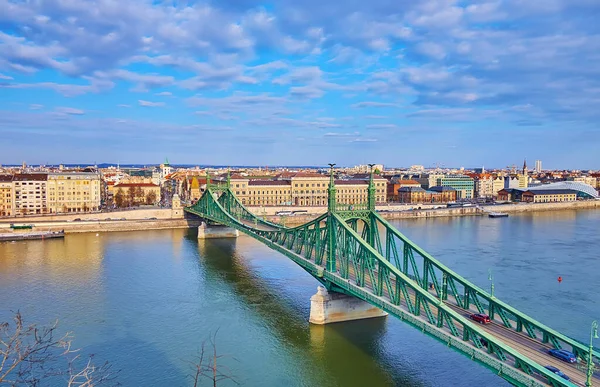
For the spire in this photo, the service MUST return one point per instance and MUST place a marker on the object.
(525, 166)
(331, 190)
(166, 161)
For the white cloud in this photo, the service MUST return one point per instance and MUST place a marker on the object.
(69, 111)
(367, 104)
(141, 102)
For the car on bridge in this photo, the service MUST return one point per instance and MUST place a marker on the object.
(563, 355)
(480, 318)
(557, 372)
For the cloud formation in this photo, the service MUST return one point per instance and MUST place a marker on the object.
(473, 66)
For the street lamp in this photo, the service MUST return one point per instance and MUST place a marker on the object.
(590, 360)
(491, 278)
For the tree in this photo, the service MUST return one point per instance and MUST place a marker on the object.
(120, 198)
(139, 195)
(29, 355)
(206, 365)
(131, 195)
(151, 197)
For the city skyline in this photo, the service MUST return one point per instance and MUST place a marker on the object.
(435, 82)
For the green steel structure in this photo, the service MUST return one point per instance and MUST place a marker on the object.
(353, 250)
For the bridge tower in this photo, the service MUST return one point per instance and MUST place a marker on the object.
(327, 306)
(331, 207)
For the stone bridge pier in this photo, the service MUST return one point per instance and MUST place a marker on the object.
(331, 307)
(206, 231)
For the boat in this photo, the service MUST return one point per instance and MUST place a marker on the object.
(498, 215)
(21, 226)
(23, 236)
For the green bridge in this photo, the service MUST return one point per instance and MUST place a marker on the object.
(352, 250)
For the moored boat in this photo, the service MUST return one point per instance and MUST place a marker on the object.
(22, 236)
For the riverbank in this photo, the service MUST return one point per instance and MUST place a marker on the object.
(70, 227)
(157, 219)
(430, 212)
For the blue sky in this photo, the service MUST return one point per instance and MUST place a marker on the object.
(459, 83)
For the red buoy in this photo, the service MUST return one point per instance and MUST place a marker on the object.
(559, 279)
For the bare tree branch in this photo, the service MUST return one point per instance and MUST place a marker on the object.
(208, 367)
(29, 355)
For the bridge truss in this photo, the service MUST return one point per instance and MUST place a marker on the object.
(353, 250)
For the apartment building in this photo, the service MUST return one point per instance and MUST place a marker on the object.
(30, 193)
(6, 195)
(73, 192)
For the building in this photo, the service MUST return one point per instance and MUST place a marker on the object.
(510, 194)
(6, 195)
(303, 189)
(73, 192)
(30, 193)
(516, 181)
(549, 196)
(414, 195)
(497, 185)
(582, 190)
(538, 166)
(464, 185)
(484, 185)
(394, 185)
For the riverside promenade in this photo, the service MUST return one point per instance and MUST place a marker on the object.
(166, 218)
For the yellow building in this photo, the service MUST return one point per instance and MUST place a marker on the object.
(303, 189)
(73, 192)
(497, 185)
(549, 196)
(6, 195)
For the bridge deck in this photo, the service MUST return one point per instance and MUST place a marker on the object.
(534, 349)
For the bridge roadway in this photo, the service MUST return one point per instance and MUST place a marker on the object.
(520, 341)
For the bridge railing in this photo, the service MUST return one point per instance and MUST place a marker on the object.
(429, 272)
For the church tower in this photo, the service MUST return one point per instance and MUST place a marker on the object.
(525, 167)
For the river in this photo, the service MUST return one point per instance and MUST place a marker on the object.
(146, 300)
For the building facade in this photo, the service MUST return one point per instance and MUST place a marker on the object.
(464, 185)
(30, 193)
(6, 195)
(303, 189)
(73, 192)
(414, 195)
(394, 185)
(549, 196)
(483, 184)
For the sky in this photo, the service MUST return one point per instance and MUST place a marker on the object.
(428, 82)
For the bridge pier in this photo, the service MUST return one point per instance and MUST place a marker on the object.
(327, 308)
(208, 232)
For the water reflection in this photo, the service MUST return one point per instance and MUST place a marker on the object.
(345, 354)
